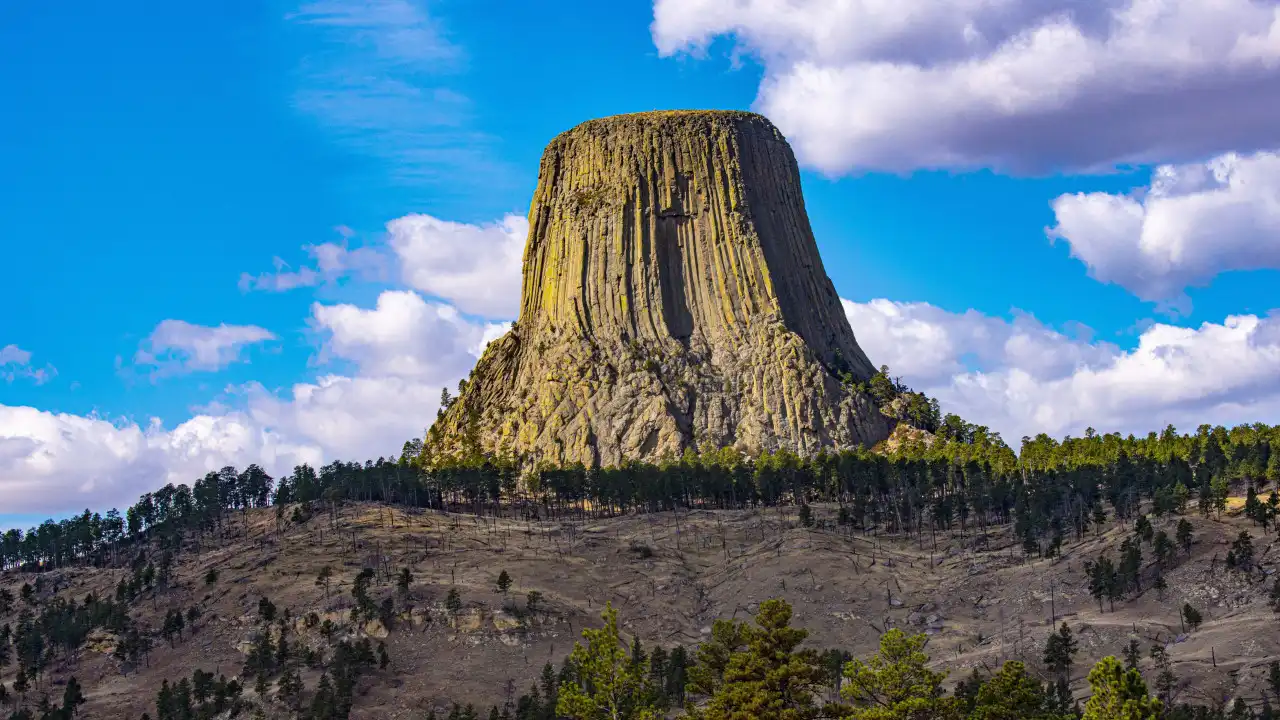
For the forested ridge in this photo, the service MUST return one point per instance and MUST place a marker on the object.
(1050, 489)
(954, 479)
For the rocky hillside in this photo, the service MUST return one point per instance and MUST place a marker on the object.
(673, 297)
(977, 596)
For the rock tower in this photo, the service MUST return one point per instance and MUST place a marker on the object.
(672, 297)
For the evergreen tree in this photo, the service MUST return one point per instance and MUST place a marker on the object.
(1185, 537)
(608, 685)
(290, 687)
(895, 684)
(1242, 551)
(1165, 681)
(1119, 694)
(1103, 581)
(1132, 654)
(1060, 651)
(1163, 548)
(323, 578)
(1011, 694)
(1191, 617)
(72, 698)
(770, 678)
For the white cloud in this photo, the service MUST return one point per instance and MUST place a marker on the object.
(404, 336)
(404, 351)
(177, 346)
(1023, 378)
(352, 418)
(15, 363)
(1023, 85)
(333, 261)
(54, 462)
(1193, 223)
(476, 267)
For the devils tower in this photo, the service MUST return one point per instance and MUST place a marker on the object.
(672, 297)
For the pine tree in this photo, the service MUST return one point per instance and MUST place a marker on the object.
(608, 685)
(1119, 694)
(895, 683)
(1185, 537)
(1132, 654)
(504, 582)
(1191, 617)
(323, 578)
(290, 687)
(1130, 566)
(1242, 549)
(72, 698)
(1163, 548)
(1060, 651)
(20, 682)
(768, 676)
(1103, 582)
(266, 610)
(1011, 694)
(1165, 681)
(323, 703)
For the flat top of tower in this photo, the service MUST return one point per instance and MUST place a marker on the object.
(674, 119)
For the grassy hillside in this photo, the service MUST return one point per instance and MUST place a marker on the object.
(669, 574)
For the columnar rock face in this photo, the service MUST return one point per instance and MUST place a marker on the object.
(673, 297)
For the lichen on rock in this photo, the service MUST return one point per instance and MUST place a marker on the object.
(672, 297)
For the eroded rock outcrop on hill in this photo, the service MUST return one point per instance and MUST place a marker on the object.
(672, 297)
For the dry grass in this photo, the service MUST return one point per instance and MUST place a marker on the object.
(670, 575)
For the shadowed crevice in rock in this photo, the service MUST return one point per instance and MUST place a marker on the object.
(672, 296)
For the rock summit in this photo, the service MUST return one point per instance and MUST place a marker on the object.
(673, 297)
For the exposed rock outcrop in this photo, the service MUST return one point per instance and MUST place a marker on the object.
(673, 297)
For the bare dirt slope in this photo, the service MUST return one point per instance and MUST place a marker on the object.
(670, 575)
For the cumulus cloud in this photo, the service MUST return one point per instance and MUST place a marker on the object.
(1023, 378)
(475, 267)
(176, 346)
(403, 352)
(352, 418)
(15, 363)
(404, 336)
(56, 462)
(1192, 223)
(1021, 85)
(333, 261)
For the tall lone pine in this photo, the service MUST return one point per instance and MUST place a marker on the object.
(672, 297)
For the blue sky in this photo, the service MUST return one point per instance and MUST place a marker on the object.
(167, 165)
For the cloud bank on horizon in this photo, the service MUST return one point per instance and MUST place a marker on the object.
(1190, 87)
